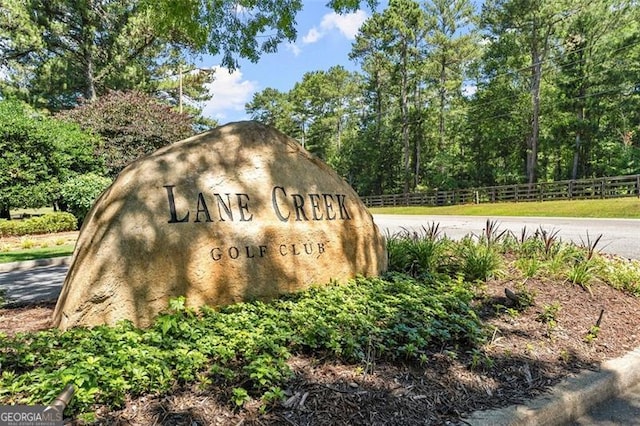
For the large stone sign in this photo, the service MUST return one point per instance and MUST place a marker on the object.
(239, 213)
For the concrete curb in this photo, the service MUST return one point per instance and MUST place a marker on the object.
(570, 399)
(30, 264)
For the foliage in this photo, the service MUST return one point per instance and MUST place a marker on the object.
(417, 253)
(56, 52)
(59, 51)
(37, 153)
(230, 29)
(243, 346)
(131, 125)
(477, 261)
(80, 192)
(448, 98)
(48, 223)
(623, 275)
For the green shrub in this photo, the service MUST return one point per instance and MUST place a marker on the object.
(417, 253)
(46, 224)
(623, 275)
(477, 261)
(80, 192)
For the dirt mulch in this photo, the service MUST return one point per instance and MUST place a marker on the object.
(523, 358)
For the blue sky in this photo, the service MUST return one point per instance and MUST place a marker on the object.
(324, 40)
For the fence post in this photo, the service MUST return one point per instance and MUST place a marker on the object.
(638, 185)
(570, 189)
(603, 188)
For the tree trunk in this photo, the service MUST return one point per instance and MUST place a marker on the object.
(404, 111)
(443, 100)
(87, 53)
(378, 132)
(5, 213)
(578, 146)
(532, 143)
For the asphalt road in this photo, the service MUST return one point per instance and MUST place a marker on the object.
(39, 284)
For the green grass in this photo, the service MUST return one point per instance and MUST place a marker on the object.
(36, 253)
(611, 208)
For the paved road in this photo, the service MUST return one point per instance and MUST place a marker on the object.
(619, 236)
(33, 285)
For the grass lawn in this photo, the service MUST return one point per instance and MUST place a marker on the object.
(36, 253)
(611, 208)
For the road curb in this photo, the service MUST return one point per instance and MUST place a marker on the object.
(30, 264)
(570, 399)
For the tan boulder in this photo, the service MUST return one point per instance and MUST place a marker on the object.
(238, 213)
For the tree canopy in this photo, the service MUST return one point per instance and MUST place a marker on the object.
(37, 154)
(450, 97)
(55, 52)
(131, 125)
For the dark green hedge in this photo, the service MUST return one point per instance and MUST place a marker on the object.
(48, 223)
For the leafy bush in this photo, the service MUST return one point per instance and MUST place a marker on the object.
(80, 192)
(132, 124)
(623, 275)
(243, 347)
(38, 152)
(48, 223)
(477, 261)
(417, 253)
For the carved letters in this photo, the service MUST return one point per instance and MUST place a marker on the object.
(288, 207)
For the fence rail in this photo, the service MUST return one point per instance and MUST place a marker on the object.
(598, 188)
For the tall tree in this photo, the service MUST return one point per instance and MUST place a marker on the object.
(76, 49)
(328, 100)
(595, 67)
(274, 108)
(399, 35)
(368, 50)
(530, 25)
(54, 51)
(453, 44)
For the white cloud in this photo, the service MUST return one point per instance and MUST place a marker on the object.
(348, 25)
(230, 94)
(293, 48)
(312, 36)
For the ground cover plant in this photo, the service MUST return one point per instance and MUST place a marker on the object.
(455, 326)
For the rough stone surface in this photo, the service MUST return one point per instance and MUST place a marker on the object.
(238, 213)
